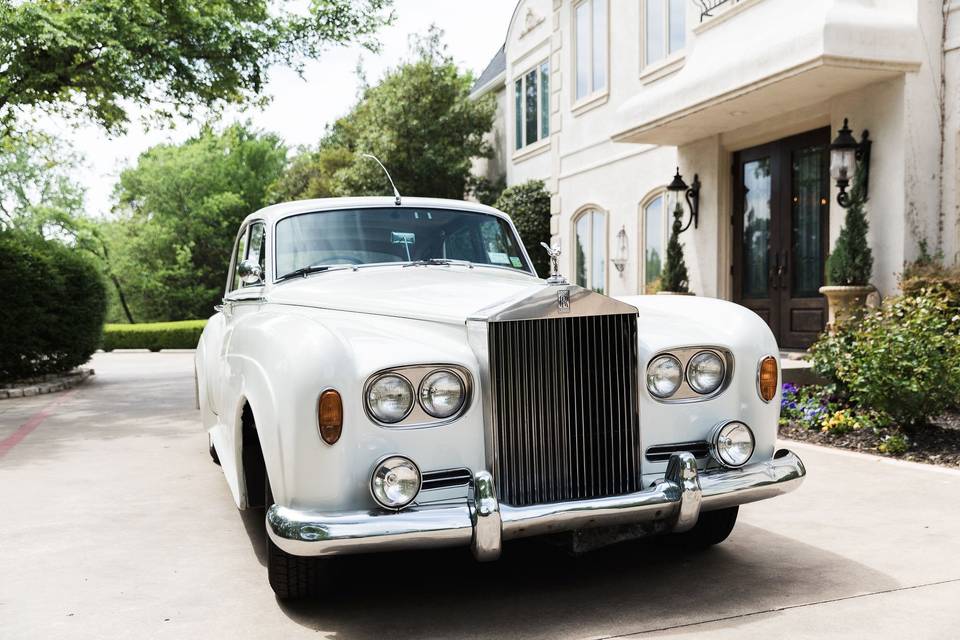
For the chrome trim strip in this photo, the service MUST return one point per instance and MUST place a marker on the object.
(676, 501)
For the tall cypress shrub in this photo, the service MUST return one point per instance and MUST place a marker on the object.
(851, 262)
(675, 276)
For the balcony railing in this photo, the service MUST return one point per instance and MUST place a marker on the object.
(706, 6)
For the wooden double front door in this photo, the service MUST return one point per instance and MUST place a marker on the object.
(780, 218)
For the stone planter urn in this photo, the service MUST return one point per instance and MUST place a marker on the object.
(844, 301)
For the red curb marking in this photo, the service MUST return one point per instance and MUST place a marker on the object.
(24, 430)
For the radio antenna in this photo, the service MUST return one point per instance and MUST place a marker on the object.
(396, 194)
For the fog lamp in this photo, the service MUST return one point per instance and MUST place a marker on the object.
(395, 482)
(732, 443)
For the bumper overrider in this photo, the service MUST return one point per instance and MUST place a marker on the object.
(481, 522)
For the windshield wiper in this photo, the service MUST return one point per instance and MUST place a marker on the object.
(303, 272)
(438, 262)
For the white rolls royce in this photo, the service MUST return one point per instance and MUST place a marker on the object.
(389, 374)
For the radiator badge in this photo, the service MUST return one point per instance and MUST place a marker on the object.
(563, 300)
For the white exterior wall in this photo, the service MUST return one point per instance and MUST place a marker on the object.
(761, 71)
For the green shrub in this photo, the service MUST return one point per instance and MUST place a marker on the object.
(528, 204)
(851, 262)
(183, 334)
(927, 272)
(903, 360)
(53, 308)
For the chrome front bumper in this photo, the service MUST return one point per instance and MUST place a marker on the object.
(676, 501)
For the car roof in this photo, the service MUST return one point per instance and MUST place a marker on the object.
(276, 212)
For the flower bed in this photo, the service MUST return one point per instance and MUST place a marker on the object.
(817, 415)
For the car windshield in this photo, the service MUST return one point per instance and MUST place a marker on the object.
(395, 234)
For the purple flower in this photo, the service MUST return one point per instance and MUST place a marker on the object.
(789, 388)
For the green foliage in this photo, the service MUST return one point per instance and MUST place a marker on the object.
(94, 58)
(928, 272)
(419, 121)
(894, 444)
(485, 190)
(37, 191)
(528, 204)
(851, 262)
(675, 276)
(903, 360)
(154, 336)
(180, 208)
(53, 309)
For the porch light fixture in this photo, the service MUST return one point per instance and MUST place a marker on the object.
(691, 193)
(620, 259)
(845, 153)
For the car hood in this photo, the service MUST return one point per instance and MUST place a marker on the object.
(437, 293)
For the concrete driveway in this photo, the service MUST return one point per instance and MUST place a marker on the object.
(114, 523)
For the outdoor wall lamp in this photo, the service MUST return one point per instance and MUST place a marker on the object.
(845, 153)
(692, 194)
(620, 258)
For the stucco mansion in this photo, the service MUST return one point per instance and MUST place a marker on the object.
(605, 99)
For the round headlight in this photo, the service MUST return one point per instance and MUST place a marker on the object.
(733, 444)
(395, 482)
(390, 398)
(705, 372)
(664, 376)
(442, 394)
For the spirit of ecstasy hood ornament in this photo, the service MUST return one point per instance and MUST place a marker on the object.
(554, 253)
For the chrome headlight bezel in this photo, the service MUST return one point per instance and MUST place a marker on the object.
(418, 417)
(381, 469)
(716, 446)
(684, 354)
(664, 358)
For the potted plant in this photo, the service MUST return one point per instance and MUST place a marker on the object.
(850, 264)
(675, 280)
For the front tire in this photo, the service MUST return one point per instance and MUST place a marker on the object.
(291, 577)
(712, 528)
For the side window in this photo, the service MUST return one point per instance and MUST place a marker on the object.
(239, 254)
(258, 246)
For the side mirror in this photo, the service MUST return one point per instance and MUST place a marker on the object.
(250, 273)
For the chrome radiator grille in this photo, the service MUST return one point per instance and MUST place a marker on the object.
(565, 408)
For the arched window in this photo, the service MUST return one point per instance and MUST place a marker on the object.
(654, 242)
(590, 249)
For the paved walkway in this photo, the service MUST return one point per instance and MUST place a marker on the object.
(115, 524)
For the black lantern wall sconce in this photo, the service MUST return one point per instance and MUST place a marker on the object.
(692, 195)
(845, 154)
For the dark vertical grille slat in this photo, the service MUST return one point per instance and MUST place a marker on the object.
(565, 408)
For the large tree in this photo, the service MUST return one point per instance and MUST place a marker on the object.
(95, 58)
(179, 210)
(419, 121)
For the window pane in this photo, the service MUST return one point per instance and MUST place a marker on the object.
(257, 249)
(544, 100)
(238, 258)
(580, 251)
(599, 44)
(518, 109)
(653, 245)
(530, 106)
(597, 272)
(756, 227)
(678, 24)
(583, 49)
(654, 23)
(807, 201)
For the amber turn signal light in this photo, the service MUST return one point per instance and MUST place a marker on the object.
(330, 416)
(767, 378)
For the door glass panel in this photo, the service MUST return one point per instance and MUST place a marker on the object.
(653, 233)
(580, 253)
(238, 256)
(807, 200)
(258, 247)
(756, 227)
(598, 270)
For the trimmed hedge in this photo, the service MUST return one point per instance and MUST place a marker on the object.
(183, 334)
(53, 307)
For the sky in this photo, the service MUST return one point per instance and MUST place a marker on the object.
(300, 108)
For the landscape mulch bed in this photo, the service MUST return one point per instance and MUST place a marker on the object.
(932, 444)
